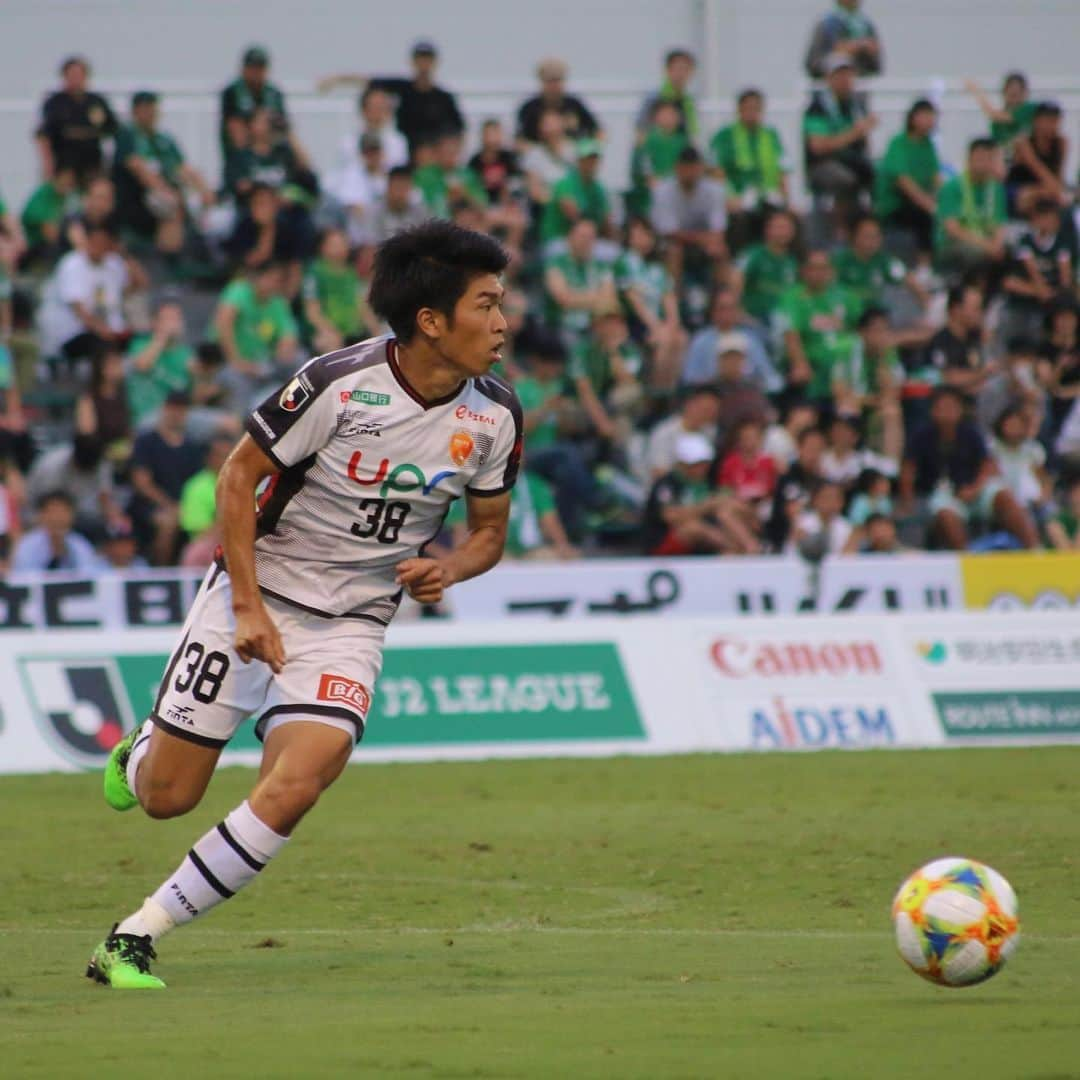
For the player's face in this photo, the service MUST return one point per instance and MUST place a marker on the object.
(474, 340)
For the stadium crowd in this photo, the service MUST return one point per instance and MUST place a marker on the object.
(708, 362)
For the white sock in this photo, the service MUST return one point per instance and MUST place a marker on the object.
(138, 752)
(226, 859)
(150, 919)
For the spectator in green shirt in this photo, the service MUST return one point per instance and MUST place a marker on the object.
(198, 505)
(444, 181)
(158, 362)
(679, 67)
(150, 176)
(908, 178)
(654, 157)
(334, 304)
(971, 215)
(1013, 117)
(257, 332)
(836, 132)
(648, 295)
(866, 270)
(579, 194)
(764, 272)
(815, 320)
(577, 284)
(43, 217)
(750, 158)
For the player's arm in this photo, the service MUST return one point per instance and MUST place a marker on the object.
(245, 469)
(427, 579)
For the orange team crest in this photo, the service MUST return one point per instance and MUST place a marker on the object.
(461, 447)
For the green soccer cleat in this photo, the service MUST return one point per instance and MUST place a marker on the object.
(122, 961)
(117, 792)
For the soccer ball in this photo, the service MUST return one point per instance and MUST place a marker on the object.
(956, 922)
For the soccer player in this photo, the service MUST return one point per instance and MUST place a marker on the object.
(359, 458)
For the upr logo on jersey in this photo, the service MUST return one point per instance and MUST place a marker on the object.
(407, 477)
(294, 395)
(345, 691)
(81, 705)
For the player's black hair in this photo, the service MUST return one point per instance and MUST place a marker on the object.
(429, 266)
(869, 315)
(981, 143)
(921, 105)
(749, 92)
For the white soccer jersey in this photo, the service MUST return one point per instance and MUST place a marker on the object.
(368, 472)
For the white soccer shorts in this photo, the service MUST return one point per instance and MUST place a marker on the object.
(207, 691)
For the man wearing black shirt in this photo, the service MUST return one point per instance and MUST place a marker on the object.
(795, 487)
(425, 112)
(578, 122)
(957, 350)
(1043, 266)
(74, 121)
(947, 468)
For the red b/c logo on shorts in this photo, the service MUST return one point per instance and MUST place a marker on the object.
(345, 691)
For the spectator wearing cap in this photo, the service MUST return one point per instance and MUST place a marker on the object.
(836, 129)
(749, 157)
(579, 194)
(970, 234)
(740, 398)
(684, 515)
(847, 32)
(949, 478)
(43, 216)
(815, 320)
(1037, 171)
(159, 362)
(163, 460)
(1043, 266)
(578, 121)
(688, 212)
(52, 544)
(376, 121)
(257, 332)
(83, 304)
(907, 180)
(425, 111)
(151, 174)
(401, 207)
(679, 68)
(358, 187)
(251, 91)
(119, 547)
(726, 317)
(74, 123)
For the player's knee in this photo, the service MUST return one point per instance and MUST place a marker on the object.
(292, 795)
(167, 801)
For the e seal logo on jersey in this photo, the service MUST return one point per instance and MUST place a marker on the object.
(294, 395)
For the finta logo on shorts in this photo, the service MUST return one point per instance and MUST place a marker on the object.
(344, 691)
(740, 659)
(365, 397)
(407, 477)
(463, 412)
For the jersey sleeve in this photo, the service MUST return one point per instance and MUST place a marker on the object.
(294, 422)
(499, 473)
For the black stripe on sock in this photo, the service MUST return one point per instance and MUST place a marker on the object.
(235, 845)
(205, 871)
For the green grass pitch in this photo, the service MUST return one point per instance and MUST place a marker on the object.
(698, 917)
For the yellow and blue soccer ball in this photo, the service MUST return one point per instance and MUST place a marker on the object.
(956, 922)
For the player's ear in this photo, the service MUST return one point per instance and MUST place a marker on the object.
(430, 323)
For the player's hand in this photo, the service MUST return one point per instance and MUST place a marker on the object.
(257, 638)
(425, 580)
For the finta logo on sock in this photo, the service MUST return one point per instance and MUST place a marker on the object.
(181, 898)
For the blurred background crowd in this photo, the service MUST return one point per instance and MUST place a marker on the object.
(884, 356)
